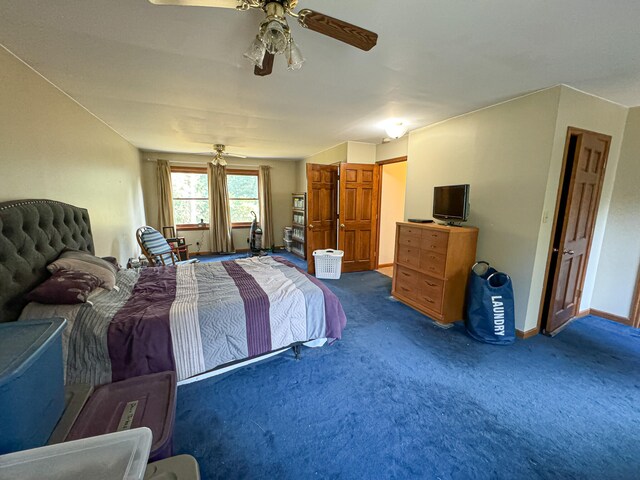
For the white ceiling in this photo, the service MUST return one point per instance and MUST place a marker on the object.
(174, 79)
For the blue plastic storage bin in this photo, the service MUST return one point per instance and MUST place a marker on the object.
(31, 382)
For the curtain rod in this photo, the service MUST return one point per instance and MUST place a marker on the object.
(186, 162)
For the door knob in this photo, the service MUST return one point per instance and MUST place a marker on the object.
(310, 226)
(342, 225)
(568, 252)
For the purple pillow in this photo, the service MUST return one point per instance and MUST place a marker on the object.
(65, 287)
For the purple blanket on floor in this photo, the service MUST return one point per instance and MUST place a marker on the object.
(194, 318)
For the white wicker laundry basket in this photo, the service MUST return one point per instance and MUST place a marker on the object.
(328, 263)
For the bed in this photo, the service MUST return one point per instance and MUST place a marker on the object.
(191, 318)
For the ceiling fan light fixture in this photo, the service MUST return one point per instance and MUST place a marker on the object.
(295, 59)
(396, 129)
(275, 36)
(256, 52)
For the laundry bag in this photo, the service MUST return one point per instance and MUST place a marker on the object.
(490, 316)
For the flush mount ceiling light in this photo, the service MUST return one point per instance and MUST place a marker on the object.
(396, 129)
(274, 36)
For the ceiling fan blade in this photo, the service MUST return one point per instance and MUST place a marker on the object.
(198, 3)
(234, 155)
(267, 65)
(338, 29)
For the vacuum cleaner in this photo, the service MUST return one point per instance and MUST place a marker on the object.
(255, 238)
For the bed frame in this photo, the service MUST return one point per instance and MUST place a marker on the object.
(33, 233)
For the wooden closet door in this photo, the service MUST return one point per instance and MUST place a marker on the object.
(322, 208)
(577, 229)
(358, 216)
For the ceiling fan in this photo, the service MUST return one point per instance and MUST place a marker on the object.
(219, 154)
(274, 36)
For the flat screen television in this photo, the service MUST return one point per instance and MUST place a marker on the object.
(451, 203)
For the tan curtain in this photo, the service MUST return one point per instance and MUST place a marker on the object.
(220, 221)
(266, 216)
(165, 196)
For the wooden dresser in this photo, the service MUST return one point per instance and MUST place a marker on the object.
(431, 268)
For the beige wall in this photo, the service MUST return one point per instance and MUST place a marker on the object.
(394, 149)
(511, 154)
(360, 152)
(283, 182)
(577, 109)
(51, 147)
(337, 154)
(503, 152)
(394, 182)
(620, 255)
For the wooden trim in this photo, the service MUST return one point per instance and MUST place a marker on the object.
(382, 163)
(392, 160)
(570, 132)
(201, 170)
(611, 316)
(528, 334)
(607, 315)
(378, 219)
(634, 315)
(235, 171)
(191, 227)
(385, 265)
(241, 225)
(583, 313)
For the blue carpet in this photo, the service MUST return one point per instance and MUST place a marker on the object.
(234, 256)
(398, 397)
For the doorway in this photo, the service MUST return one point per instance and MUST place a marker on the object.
(342, 212)
(579, 192)
(393, 185)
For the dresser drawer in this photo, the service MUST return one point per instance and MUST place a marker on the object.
(433, 263)
(434, 241)
(409, 231)
(420, 288)
(407, 281)
(431, 286)
(408, 237)
(430, 301)
(409, 255)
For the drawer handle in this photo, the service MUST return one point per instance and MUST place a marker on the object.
(404, 288)
(429, 300)
(435, 235)
(431, 284)
(405, 274)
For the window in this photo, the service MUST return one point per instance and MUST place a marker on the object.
(190, 187)
(243, 196)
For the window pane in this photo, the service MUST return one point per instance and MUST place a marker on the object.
(189, 185)
(190, 211)
(241, 210)
(242, 186)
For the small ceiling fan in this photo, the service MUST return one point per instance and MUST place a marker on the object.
(219, 154)
(274, 36)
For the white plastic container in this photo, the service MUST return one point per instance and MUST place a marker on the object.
(287, 244)
(115, 456)
(288, 233)
(328, 263)
(181, 467)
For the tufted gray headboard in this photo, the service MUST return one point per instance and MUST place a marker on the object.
(32, 234)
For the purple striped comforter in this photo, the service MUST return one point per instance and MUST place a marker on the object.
(193, 318)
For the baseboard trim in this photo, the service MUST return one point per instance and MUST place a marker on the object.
(384, 265)
(528, 334)
(610, 316)
(239, 250)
